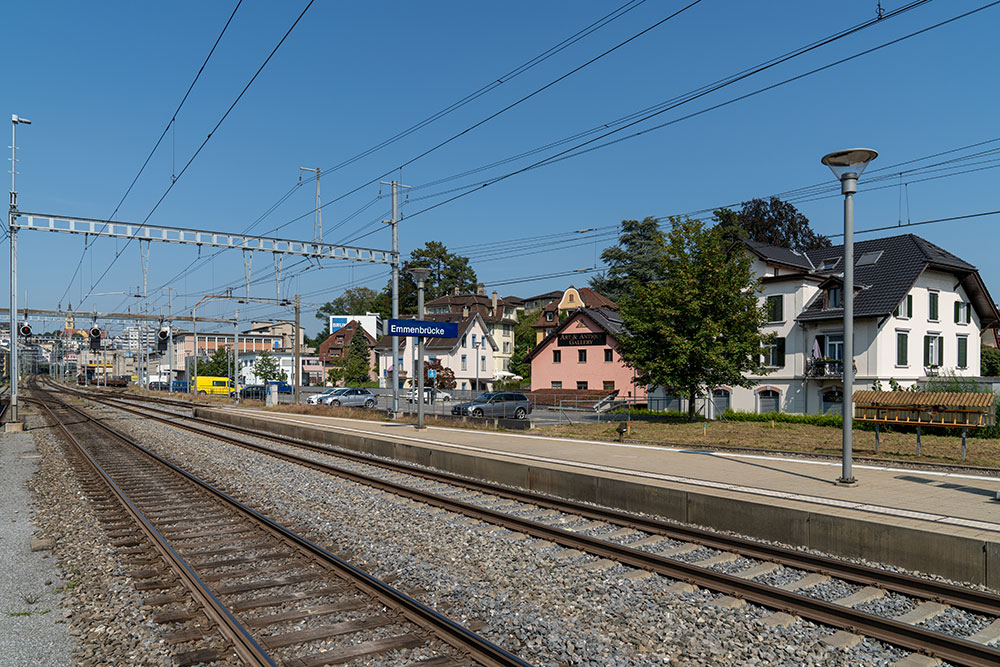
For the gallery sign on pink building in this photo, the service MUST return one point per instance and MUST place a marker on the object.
(582, 354)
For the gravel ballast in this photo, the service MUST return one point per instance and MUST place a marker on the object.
(537, 602)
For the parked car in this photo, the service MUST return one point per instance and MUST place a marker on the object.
(181, 386)
(283, 387)
(430, 395)
(253, 392)
(214, 384)
(314, 399)
(496, 404)
(158, 386)
(351, 397)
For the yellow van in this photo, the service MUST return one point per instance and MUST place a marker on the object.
(213, 384)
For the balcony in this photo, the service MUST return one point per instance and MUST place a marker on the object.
(824, 368)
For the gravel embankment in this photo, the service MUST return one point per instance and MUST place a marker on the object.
(535, 599)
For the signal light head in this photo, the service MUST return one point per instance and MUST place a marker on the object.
(95, 333)
(24, 330)
(162, 334)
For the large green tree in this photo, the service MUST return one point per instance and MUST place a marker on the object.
(698, 324)
(772, 221)
(990, 360)
(217, 365)
(635, 258)
(448, 271)
(524, 341)
(357, 368)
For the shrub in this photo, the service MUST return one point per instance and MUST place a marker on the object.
(813, 420)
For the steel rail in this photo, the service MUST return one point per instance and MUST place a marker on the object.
(945, 647)
(244, 645)
(479, 648)
(956, 596)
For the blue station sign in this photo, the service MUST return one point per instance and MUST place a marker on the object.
(422, 328)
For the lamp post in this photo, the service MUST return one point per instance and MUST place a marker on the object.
(420, 275)
(847, 166)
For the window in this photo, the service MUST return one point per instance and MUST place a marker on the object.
(775, 308)
(609, 385)
(557, 356)
(963, 351)
(932, 307)
(556, 384)
(963, 312)
(609, 355)
(581, 384)
(473, 340)
(482, 364)
(572, 298)
(902, 345)
(834, 297)
(581, 356)
(506, 347)
(465, 342)
(835, 346)
(767, 401)
(774, 353)
(869, 258)
(465, 362)
(549, 316)
(829, 264)
(905, 308)
(833, 401)
(933, 350)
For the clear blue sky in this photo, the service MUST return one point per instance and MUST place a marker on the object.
(100, 81)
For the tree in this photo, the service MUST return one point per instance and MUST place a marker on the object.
(267, 369)
(335, 375)
(448, 272)
(698, 325)
(357, 368)
(524, 340)
(990, 360)
(635, 258)
(217, 365)
(445, 376)
(354, 301)
(770, 221)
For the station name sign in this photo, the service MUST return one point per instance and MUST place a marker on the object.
(422, 328)
(579, 339)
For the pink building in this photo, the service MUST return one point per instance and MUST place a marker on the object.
(582, 354)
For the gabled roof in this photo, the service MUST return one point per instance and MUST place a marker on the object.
(884, 278)
(605, 318)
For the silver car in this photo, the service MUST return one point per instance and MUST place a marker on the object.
(509, 404)
(352, 398)
(321, 396)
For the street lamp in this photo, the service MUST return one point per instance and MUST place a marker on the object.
(847, 166)
(420, 275)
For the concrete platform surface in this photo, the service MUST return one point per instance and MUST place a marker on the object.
(795, 500)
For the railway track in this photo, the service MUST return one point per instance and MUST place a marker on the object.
(270, 596)
(933, 597)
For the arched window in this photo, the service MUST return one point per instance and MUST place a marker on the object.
(833, 401)
(768, 401)
(720, 401)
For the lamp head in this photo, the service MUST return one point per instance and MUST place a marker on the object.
(849, 163)
(14, 118)
(419, 273)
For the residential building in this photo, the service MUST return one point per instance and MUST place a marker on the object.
(338, 343)
(311, 373)
(919, 311)
(581, 354)
(539, 301)
(470, 355)
(283, 330)
(139, 337)
(499, 314)
(210, 341)
(569, 300)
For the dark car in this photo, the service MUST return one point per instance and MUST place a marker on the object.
(507, 404)
(158, 386)
(283, 387)
(181, 386)
(253, 391)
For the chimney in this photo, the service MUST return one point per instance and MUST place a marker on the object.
(481, 289)
(494, 302)
(465, 312)
(456, 291)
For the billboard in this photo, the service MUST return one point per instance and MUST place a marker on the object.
(370, 322)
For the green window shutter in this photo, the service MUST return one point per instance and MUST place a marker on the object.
(901, 344)
(933, 306)
(895, 313)
(963, 352)
(940, 351)
(927, 350)
(909, 305)
(968, 313)
(958, 312)
(779, 352)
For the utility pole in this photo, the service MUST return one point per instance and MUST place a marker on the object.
(297, 371)
(12, 413)
(236, 353)
(318, 219)
(170, 340)
(395, 290)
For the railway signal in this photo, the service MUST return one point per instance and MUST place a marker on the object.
(24, 330)
(95, 339)
(161, 340)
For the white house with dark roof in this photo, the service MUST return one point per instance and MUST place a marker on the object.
(919, 311)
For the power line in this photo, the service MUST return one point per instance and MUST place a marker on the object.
(170, 123)
(203, 144)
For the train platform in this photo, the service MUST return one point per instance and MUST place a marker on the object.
(945, 523)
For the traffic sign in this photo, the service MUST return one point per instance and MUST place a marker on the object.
(432, 373)
(422, 328)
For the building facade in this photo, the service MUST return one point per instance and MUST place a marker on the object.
(498, 313)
